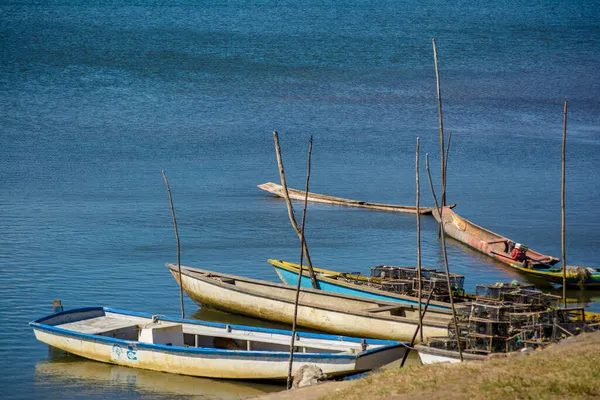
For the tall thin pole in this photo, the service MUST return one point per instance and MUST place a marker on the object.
(419, 327)
(420, 283)
(289, 378)
(439, 96)
(290, 209)
(440, 209)
(446, 162)
(178, 247)
(562, 196)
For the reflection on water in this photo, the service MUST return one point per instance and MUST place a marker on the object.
(83, 375)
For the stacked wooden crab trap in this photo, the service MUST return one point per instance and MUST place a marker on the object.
(508, 317)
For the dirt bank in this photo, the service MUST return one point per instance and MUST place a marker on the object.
(569, 369)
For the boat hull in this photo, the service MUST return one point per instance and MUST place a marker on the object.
(327, 312)
(299, 195)
(494, 245)
(211, 362)
(428, 355)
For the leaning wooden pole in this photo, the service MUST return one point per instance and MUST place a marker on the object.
(178, 247)
(562, 206)
(290, 209)
(419, 327)
(450, 291)
(439, 97)
(420, 282)
(446, 162)
(298, 284)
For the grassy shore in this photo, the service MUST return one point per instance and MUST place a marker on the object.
(566, 370)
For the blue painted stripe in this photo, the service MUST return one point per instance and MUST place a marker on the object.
(291, 278)
(78, 310)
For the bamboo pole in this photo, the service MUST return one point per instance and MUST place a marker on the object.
(178, 247)
(289, 378)
(419, 327)
(446, 162)
(562, 207)
(440, 209)
(290, 209)
(439, 96)
(420, 283)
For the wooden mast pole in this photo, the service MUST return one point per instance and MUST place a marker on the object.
(439, 96)
(562, 206)
(290, 209)
(420, 283)
(289, 378)
(178, 247)
(419, 329)
(450, 291)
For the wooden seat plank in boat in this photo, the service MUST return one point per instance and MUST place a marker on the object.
(99, 325)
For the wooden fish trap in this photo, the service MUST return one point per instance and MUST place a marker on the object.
(496, 290)
(393, 272)
(495, 311)
(532, 297)
(519, 320)
(492, 344)
(399, 286)
(488, 327)
(456, 281)
(446, 343)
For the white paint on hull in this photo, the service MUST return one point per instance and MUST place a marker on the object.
(311, 314)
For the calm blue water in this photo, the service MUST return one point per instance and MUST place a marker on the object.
(97, 97)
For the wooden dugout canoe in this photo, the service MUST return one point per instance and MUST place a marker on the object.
(324, 311)
(295, 194)
(347, 283)
(487, 242)
(206, 349)
(496, 246)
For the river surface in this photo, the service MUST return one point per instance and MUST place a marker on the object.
(97, 97)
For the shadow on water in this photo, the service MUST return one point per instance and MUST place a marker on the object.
(64, 370)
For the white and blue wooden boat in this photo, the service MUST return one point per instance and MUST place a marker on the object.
(206, 349)
(349, 283)
(317, 309)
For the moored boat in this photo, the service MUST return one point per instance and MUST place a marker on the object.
(375, 287)
(487, 242)
(299, 195)
(317, 309)
(431, 355)
(527, 261)
(206, 349)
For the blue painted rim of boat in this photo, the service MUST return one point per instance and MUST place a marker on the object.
(38, 324)
(351, 290)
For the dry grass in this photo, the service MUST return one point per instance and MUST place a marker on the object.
(570, 369)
